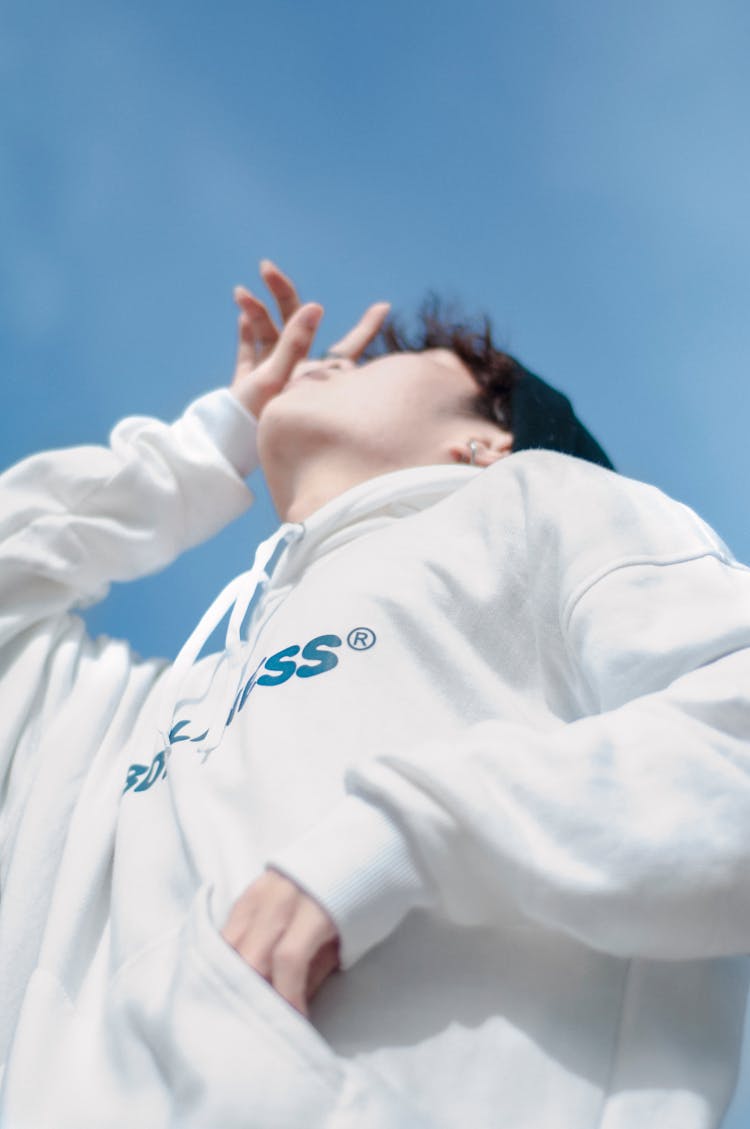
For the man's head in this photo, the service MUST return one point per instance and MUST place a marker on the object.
(406, 402)
(505, 392)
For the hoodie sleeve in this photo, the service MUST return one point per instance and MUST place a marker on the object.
(73, 520)
(628, 829)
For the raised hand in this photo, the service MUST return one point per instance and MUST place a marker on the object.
(267, 355)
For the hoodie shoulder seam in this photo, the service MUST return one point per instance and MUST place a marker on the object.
(632, 562)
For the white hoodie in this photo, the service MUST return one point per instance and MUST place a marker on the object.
(497, 722)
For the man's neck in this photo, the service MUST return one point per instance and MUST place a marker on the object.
(299, 493)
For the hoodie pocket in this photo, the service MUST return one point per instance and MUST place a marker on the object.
(214, 1044)
(218, 1046)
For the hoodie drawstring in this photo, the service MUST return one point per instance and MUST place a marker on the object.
(238, 595)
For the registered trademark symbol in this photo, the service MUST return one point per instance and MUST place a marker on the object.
(360, 638)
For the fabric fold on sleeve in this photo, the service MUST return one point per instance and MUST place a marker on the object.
(628, 828)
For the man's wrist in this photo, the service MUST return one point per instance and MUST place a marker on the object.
(243, 403)
(230, 426)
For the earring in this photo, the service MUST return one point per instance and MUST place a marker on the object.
(473, 446)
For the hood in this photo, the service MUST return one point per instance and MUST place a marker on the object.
(280, 561)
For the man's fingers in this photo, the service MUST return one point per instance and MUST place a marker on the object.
(354, 343)
(257, 332)
(281, 287)
(296, 957)
(289, 965)
(324, 963)
(295, 341)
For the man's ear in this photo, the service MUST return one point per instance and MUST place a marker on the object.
(489, 446)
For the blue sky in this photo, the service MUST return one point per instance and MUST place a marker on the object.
(581, 171)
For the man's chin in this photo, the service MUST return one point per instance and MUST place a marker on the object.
(290, 429)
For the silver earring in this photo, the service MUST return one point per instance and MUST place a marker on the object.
(473, 446)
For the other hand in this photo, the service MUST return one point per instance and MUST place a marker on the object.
(285, 935)
(267, 355)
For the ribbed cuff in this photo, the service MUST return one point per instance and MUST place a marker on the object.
(359, 867)
(230, 427)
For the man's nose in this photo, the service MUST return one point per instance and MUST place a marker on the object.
(331, 362)
(307, 365)
(337, 360)
(328, 362)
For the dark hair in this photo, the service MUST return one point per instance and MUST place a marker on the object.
(443, 325)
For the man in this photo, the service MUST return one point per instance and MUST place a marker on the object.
(477, 744)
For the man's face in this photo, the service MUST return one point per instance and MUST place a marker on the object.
(401, 409)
